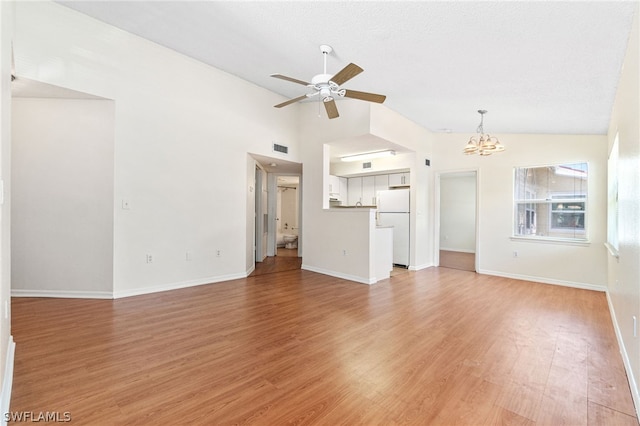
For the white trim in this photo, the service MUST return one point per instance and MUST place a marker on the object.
(7, 383)
(178, 285)
(625, 358)
(544, 280)
(612, 250)
(64, 294)
(457, 250)
(419, 267)
(551, 240)
(348, 277)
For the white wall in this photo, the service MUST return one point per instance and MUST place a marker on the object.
(573, 265)
(62, 209)
(624, 273)
(6, 341)
(458, 212)
(182, 133)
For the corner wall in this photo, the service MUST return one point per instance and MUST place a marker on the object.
(582, 266)
(182, 133)
(62, 208)
(624, 272)
(7, 346)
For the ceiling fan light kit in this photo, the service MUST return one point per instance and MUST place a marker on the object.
(327, 86)
(484, 144)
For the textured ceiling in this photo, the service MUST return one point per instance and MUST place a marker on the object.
(538, 67)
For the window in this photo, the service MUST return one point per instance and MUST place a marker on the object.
(550, 202)
(612, 205)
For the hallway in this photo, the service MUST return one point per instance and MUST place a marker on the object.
(286, 260)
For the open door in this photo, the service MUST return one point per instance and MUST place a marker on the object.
(261, 214)
(458, 220)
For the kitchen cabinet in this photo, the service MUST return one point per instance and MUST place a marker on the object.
(381, 182)
(334, 185)
(364, 189)
(337, 187)
(343, 189)
(354, 188)
(369, 190)
(399, 179)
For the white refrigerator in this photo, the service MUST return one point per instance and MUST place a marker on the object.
(393, 210)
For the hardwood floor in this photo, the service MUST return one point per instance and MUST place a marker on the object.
(437, 346)
(286, 260)
(458, 260)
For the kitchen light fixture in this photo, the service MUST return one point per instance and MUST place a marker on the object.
(369, 155)
(484, 144)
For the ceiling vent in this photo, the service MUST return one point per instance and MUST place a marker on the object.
(366, 165)
(280, 148)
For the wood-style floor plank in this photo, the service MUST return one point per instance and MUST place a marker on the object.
(438, 347)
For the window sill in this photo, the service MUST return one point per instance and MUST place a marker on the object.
(551, 240)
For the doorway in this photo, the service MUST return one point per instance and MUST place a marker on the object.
(457, 246)
(277, 206)
(287, 216)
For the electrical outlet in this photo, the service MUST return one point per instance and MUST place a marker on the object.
(344, 252)
(125, 204)
(218, 253)
(149, 258)
(515, 254)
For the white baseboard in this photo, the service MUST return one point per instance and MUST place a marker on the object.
(419, 267)
(625, 358)
(7, 383)
(70, 294)
(457, 250)
(543, 280)
(64, 294)
(336, 274)
(176, 286)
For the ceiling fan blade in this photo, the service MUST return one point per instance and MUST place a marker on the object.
(291, 79)
(371, 97)
(346, 74)
(291, 101)
(332, 109)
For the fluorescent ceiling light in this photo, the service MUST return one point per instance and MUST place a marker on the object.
(369, 155)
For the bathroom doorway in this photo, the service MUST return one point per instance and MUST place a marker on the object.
(284, 219)
(287, 215)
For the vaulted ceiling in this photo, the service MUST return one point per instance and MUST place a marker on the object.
(537, 67)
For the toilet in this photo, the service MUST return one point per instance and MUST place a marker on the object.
(290, 241)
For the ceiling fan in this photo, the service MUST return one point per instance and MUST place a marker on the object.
(327, 87)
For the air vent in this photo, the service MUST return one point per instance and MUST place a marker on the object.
(281, 148)
(366, 165)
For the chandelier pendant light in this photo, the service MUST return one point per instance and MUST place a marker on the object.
(483, 144)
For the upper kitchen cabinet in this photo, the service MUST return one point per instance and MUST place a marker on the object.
(399, 180)
(369, 190)
(337, 188)
(354, 191)
(381, 182)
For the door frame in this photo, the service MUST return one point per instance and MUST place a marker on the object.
(272, 189)
(436, 254)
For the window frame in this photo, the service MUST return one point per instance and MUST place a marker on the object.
(581, 235)
(613, 230)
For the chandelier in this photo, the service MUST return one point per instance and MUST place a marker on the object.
(483, 144)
